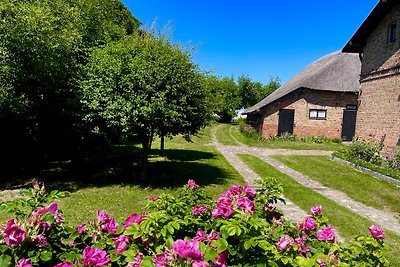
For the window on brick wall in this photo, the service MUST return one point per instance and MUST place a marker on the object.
(317, 114)
(392, 33)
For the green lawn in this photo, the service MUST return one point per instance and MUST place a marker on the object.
(349, 224)
(225, 136)
(198, 160)
(360, 186)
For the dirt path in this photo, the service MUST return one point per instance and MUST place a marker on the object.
(384, 219)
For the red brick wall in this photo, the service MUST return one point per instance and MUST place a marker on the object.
(379, 101)
(378, 54)
(302, 101)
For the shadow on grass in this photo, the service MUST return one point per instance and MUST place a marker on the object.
(118, 164)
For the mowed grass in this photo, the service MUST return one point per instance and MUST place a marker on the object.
(348, 224)
(224, 134)
(281, 144)
(359, 186)
(182, 161)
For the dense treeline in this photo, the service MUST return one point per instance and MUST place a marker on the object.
(81, 72)
(229, 95)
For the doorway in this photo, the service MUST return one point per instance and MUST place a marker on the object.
(286, 122)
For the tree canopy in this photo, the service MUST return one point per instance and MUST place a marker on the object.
(43, 45)
(146, 86)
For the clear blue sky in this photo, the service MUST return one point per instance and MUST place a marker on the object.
(260, 38)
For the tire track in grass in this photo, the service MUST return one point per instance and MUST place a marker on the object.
(349, 224)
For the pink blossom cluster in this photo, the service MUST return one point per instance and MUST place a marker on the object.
(53, 209)
(284, 242)
(326, 234)
(134, 218)
(107, 223)
(377, 232)
(309, 224)
(201, 236)
(198, 210)
(192, 184)
(316, 210)
(94, 257)
(13, 234)
(138, 260)
(239, 197)
(24, 263)
(189, 249)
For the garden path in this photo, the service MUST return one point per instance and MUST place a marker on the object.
(382, 218)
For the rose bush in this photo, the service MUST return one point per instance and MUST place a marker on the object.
(242, 228)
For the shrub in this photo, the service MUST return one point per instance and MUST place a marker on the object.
(242, 228)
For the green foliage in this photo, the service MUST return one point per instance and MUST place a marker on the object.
(144, 86)
(253, 92)
(367, 153)
(42, 47)
(225, 97)
(245, 237)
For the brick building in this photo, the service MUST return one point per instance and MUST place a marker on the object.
(377, 42)
(320, 100)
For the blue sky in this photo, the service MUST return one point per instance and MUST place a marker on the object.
(259, 38)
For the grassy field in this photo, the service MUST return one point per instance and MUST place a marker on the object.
(349, 224)
(109, 178)
(360, 186)
(229, 134)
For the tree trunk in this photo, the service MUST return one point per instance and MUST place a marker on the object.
(147, 139)
(162, 145)
(145, 157)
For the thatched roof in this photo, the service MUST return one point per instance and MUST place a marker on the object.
(358, 40)
(337, 72)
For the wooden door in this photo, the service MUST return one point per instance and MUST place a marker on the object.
(286, 122)
(349, 124)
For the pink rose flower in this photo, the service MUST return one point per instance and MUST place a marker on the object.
(321, 263)
(377, 232)
(40, 241)
(24, 263)
(234, 190)
(153, 199)
(161, 260)
(221, 210)
(245, 204)
(81, 228)
(199, 263)
(13, 234)
(107, 223)
(138, 261)
(269, 207)
(284, 242)
(316, 210)
(198, 210)
(134, 218)
(187, 249)
(327, 234)
(213, 236)
(94, 257)
(222, 259)
(224, 199)
(121, 243)
(192, 184)
(64, 264)
(250, 192)
(200, 236)
(309, 224)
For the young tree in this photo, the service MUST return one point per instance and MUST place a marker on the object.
(146, 86)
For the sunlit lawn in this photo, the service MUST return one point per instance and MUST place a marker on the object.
(228, 133)
(349, 224)
(360, 186)
(198, 160)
